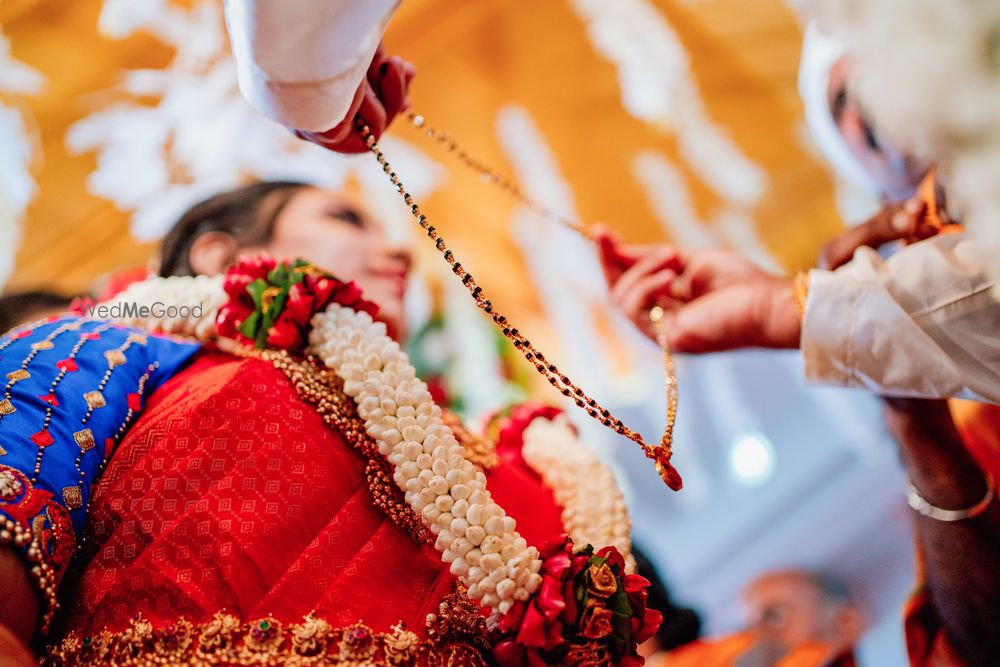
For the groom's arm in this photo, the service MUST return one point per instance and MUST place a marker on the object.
(312, 66)
(960, 556)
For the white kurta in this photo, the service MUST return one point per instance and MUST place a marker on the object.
(300, 62)
(920, 323)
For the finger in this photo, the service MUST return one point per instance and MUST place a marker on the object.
(332, 139)
(373, 114)
(699, 274)
(893, 222)
(394, 87)
(613, 260)
(658, 259)
(702, 325)
(377, 58)
(646, 293)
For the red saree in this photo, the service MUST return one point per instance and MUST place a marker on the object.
(232, 494)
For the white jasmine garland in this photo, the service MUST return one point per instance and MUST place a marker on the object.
(594, 510)
(178, 291)
(473, 532)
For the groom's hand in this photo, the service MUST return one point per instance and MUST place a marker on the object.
(382, 95)
(713, 299)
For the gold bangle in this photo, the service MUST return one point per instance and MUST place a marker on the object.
(920, 505)
(800, 289)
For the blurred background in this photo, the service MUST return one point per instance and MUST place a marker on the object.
(665, 119)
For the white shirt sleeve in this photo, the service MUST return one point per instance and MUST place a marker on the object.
(921, 323)
(300, 62)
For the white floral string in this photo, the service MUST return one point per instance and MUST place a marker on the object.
(594, 511)
(473, 532)
(180, 305)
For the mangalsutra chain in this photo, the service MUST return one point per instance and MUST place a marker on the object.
(491, 175)
(659, 454)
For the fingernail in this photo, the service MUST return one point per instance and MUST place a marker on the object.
(383, 69)
(900, 222)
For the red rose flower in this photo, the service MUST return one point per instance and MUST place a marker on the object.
(615, 558)
(645, 621)
(590, 654)
(596, 620)
(509, 429)
(573, 618)
(272, 304)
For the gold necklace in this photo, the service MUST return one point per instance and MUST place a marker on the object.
(659, 454)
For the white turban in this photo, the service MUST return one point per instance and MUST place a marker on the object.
(819, 54)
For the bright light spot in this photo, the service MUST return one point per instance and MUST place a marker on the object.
(752, 459)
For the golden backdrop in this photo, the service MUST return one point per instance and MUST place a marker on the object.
(473, 59)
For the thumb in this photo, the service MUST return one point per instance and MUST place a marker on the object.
(614, 260)
(893, 222)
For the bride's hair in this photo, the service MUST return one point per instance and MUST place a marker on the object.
(247, 214)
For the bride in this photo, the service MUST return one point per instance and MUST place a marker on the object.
(270, 483)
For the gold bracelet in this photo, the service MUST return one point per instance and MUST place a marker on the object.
(924, 508)
(800, 289)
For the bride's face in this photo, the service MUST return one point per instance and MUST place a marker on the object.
(337, 234)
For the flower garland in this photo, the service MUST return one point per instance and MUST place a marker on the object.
(170, 293)
(594, 510)
(473, 532)
(297, 308)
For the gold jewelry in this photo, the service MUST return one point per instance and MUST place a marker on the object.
(922, 507)
(455, 634)
(490, 175)
(800, 289)
(659, 454)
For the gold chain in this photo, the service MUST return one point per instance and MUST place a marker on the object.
(660, 454)
(491, 175)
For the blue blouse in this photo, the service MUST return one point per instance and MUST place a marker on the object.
(71, 388)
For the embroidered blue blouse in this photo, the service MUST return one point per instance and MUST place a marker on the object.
(71, 388)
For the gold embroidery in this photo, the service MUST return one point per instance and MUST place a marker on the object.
(84, 439)
(312, 637)
(7, 408)
(95, 399)
(43, 345)
(220, 633)
(138, 338)
(400, 645)
(73, 497)
(480, 451)
(224, 640)
(115, 358)
(10, 486)
(18, 375)
(3, 452)
(458, 621)
(264, 636)
(40, 571)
